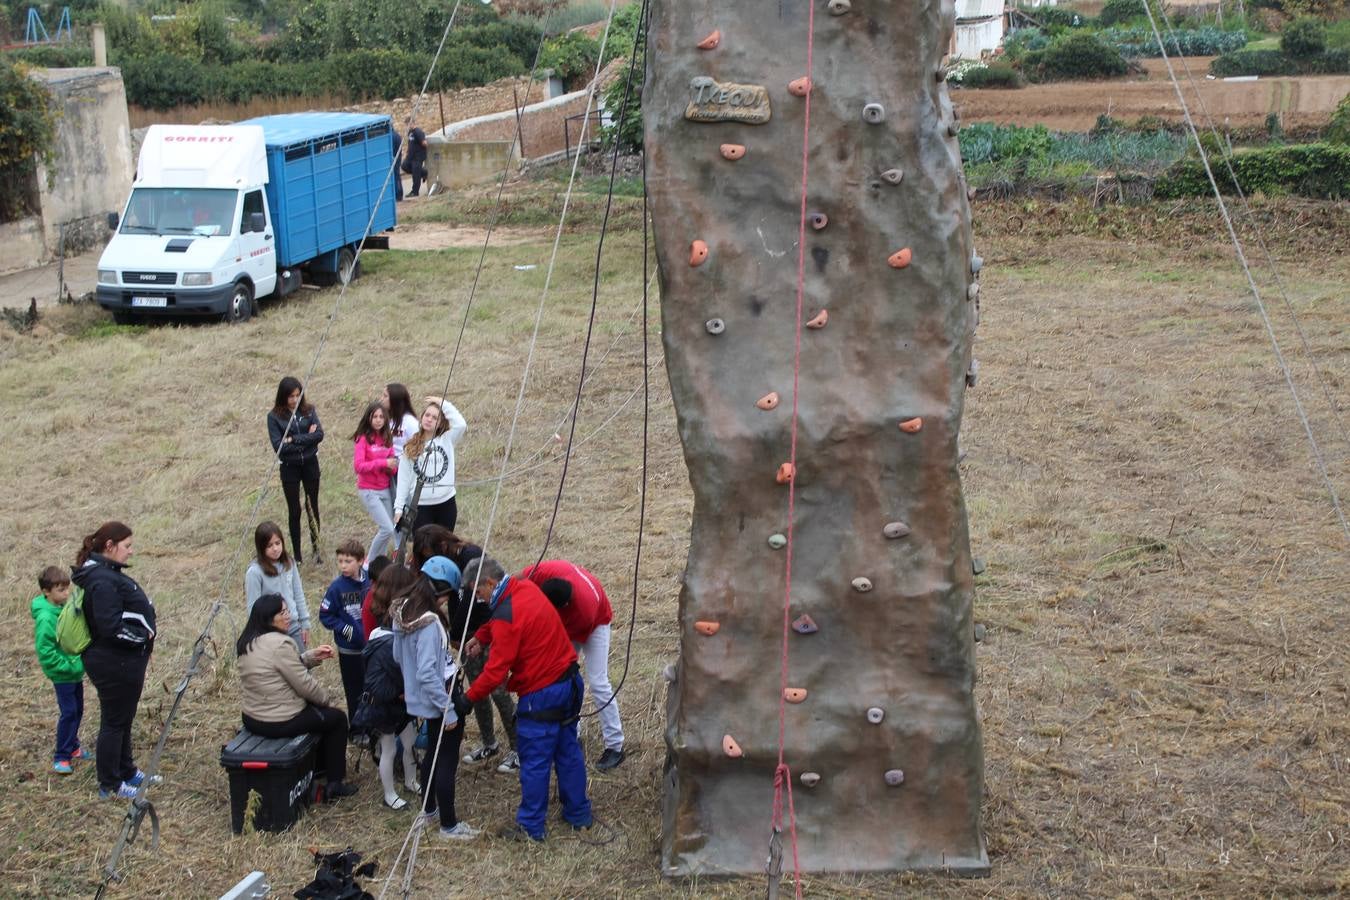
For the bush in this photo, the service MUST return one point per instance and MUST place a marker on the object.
(1078, 55)
(52, 56)
(996, 76)
(1116, 11)
(1021, 41)
(571, 56)
(465, 66)
(163, 81)
(1303, 39)
(1140, 42)
(1274, 62)
(1310, 170)
(1055, 16)
(27, 125)
(1338, 132)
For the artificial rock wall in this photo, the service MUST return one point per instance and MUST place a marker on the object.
(882, 732)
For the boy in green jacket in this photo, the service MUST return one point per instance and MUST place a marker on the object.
(65, 671)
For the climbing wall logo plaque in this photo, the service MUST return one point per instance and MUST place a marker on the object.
(717, 101)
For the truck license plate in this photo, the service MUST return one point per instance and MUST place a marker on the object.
(150, 301)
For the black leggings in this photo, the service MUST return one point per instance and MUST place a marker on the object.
(443, 514)
(118, 677)
(328, 723)
(292, 476)
(438, 793)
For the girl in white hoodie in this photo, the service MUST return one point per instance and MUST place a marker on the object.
(429, 455)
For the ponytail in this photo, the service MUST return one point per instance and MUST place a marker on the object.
(108, 532)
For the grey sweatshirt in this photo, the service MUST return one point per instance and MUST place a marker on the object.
(286, 583)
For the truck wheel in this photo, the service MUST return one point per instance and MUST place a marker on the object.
(346, 267)
(241, 304)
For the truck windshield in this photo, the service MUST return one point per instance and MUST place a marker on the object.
(199, 211)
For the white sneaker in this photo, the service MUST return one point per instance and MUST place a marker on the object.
(510, 764)
(478, 754)
(461, 832)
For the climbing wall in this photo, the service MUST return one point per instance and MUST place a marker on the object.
(882, 734)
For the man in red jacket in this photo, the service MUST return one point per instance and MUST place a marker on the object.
(586, 614)
(531, 653)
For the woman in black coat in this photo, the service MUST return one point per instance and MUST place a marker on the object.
(297, 446)
(121, 622)
(381, 708)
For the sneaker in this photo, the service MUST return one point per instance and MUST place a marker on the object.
(610, 759)
(510, 764)
(430, 818)
(337, 790)
(135, 780)
(515, 832)
(123, 791)
(462, 831)
(487, 751)
(82, 754)
(62, 767)
(586, 827)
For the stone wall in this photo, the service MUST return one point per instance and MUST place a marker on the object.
(92, 173)
(468, 103)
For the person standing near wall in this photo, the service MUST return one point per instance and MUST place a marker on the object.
(415, 163)
(398, 166)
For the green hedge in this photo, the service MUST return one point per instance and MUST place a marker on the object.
(1078, 55)
(1140, 42)
(1308, 170)
(1275, 62)
(996, 76)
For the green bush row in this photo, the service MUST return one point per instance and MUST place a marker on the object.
(1106, 148)
(1276, 62)
(995, 76)
(1074, 56)
(1140, 42)
(1308, 170)
(164, 81)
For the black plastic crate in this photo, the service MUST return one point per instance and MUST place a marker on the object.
(281, 770)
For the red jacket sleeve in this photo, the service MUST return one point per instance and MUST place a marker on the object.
(368, 623)
(505, 647)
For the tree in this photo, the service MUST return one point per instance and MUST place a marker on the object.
(1304, 38)
(27, 129)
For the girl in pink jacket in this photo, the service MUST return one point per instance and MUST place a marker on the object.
(374, 459)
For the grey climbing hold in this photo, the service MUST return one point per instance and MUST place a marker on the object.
(977, 565)
(976, 264)
(777, 541)
(940, 73)
(973, 373)
(895, 777)
(715, 326)
(819, 221)
(979, 632)
(839, 7)
(874, 113)
(875, 715)
(973, 291)
(810, 779)
(895, 530)
(893, 176)
(671, 674)
(862, 585)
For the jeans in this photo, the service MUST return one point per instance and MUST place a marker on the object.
(325, 721)
(118, 677)
(380, 507)
(292, 476)
(544, 746)
(445, 514)
(70, 701)
(482, 710)
(441, 784)
(594, 653)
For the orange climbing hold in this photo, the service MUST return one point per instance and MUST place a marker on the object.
(768, 401)
(711, 41)
(900, 258)
(819, 320)
(698, 252)
(707, 628)
(733, 152)
(786, 472)
(799, 87)
(794, 695)
(911, 426)
(731, 748)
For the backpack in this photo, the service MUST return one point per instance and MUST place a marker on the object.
(72, 628)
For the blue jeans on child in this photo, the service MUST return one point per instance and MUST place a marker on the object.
(70, 701)
(545, 745)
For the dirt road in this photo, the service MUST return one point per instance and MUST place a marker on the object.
(1075, 106)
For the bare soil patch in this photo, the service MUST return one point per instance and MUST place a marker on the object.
(440, 236)
(1163, 685)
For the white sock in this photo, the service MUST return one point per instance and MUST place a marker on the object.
(387, 750)
(409, 737)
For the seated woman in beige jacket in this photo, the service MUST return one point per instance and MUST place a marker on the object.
(281, 698)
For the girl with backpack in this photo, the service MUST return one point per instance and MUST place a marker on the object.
(296, 444)
(374, 461)
(381, 708)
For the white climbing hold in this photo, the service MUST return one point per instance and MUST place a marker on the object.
(715, 326)
(862, 585)
(875, 715)
(895, 530)
(810, 779)
(894, 777)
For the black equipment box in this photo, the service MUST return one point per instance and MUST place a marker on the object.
(280, 770)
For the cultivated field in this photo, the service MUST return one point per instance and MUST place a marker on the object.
(1164, 680)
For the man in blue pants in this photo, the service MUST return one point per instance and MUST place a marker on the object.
(530, 645)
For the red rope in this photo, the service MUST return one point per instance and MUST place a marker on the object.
(782, 777)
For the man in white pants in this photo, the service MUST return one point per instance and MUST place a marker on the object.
(586, 614)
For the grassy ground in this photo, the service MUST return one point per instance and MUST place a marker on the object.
(1163, 685)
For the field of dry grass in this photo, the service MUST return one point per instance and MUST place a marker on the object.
(1163, 684)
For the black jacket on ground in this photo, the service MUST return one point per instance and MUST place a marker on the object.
(304, 444)
(120, 615)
